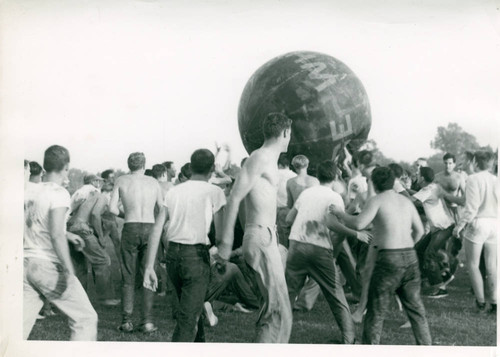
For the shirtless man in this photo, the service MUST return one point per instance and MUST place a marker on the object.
(257, 186)
(452, 182)
(84, 224)
(297, 184)
(139, 195)
(396, 229)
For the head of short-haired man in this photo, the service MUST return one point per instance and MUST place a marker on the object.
(300, 163)
(396, 169)
(159, 172)
(56, 164)
(326, 172)
(383, 179)
(202, 165)
(449, 163)
(93, 180)
(366, 162)
(425, 176)
(108, 176)
(136, 162)
(36, 172)
(185, 172)
(483, 161)
(277, 128)
(171, 170)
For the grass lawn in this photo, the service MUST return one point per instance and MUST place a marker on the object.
(452, 321)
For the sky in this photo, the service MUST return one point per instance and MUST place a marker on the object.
(105, 79)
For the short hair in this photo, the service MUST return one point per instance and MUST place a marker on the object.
(422, 159)
(107, 187)
(483, 159)
(35, 168)
(168, 164)
(148, 172)
(105, 174)
(300, 162)
(427, 173)
(326, 171)
(55, 158)
(136, 161)
(469, 155)
(158, 170)
(449, 156)
(202, 161)
(396, 169)
(383, 178)
(365, 157)
(274, 124)
(283, 160)
(186, 170)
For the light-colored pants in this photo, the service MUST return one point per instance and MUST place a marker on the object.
(45, 278)
(261, 253)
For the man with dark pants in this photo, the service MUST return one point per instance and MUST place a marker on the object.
(139, 195)
(311, 247)
(397, 227)
(189, 208)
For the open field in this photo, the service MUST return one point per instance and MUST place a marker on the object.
(452, 321)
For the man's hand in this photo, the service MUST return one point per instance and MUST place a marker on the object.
(364, 237)
(334, 210)
(150, 279)
(457, 230)
(220, 263)
(76, 240)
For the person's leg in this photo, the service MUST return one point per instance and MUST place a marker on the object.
(307, 296)
(147, 295)
(189, 270)
(129, 251)
(323, 270)
(296, 272)
(432, 259)
(67, 294)
(348, 269)
(32, 302)
(490, 259)
(366, 276)
(261, 253)
(219, 282)
(386, 278)
(243, 290)
(472, 256)
(409, 294)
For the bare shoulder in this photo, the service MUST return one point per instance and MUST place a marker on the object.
(121, 180)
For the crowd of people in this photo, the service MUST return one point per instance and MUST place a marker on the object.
(270, 239)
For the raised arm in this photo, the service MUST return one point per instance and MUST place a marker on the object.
(57, 222)
(245, 181)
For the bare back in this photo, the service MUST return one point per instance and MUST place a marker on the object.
(395, 218)
(296, 185)
(85, 209)
(260, 202)
(139, 195)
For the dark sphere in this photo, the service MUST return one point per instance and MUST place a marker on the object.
(325, 100)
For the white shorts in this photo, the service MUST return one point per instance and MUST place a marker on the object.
(482, 231)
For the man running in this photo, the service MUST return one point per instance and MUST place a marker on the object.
(397, 227)
(257, 186)
(139, 195)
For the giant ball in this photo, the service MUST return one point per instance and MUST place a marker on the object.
(327, 103)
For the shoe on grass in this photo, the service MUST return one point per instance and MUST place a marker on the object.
(111, 302)
(480, 307)
(438, 294)
(240, 308)
(209, 313)
(126, 327)
(407, 324)
(148, 327)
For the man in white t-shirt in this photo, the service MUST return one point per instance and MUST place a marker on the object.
(434, 259)
(48, 271)
(311, 246)
(189, 208)
(91, 184)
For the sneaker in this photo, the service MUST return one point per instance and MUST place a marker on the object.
(492, 308)
(240, 308)
(407, 324)
(148, 327)
(111, 302)
(209, 313)
(126, 327)
(438, 294)
(480, 306)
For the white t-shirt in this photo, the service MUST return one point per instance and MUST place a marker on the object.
(39, 200)
(435, 210)
(283, 176)
(357, 184)
(81, 194)
(312, 210)
(191, 206)
(398, 186)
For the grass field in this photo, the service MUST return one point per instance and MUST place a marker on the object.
(453, 322)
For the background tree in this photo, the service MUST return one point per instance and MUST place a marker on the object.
(454, 139)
